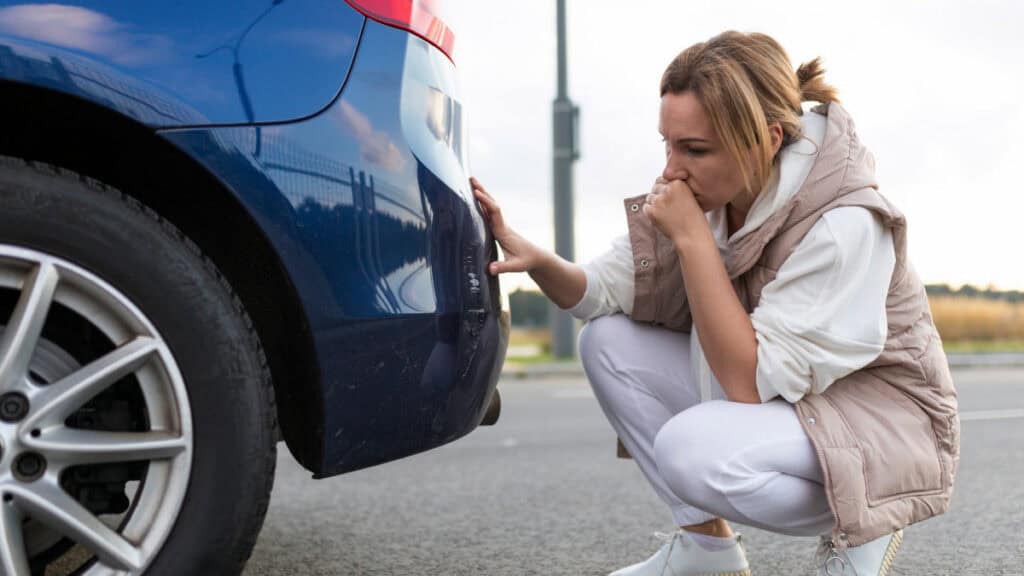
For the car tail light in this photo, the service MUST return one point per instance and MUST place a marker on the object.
(421, 17)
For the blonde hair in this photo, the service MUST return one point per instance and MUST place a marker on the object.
(745, 83)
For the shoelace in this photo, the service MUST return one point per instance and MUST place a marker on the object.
(828, 557)
(671, 539)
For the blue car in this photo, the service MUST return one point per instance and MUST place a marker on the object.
(223, 225)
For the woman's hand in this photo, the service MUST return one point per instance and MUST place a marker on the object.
(672, 207)
(560, 280)
(520, 254)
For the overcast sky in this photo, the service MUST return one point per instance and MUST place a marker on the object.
(935, 89)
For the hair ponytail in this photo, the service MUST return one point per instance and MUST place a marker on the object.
(813, 88)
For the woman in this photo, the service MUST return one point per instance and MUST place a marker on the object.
(758, 339)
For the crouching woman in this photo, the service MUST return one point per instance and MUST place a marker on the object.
(758, 340)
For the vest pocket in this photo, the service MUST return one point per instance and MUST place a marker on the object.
(896, 441)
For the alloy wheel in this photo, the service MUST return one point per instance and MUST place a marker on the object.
(50, 441)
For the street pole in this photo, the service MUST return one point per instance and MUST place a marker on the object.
(566, 151)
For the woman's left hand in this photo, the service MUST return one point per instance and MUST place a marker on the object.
(674, 210)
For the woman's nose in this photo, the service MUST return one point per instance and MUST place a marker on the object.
(674, 169)
(672, 172)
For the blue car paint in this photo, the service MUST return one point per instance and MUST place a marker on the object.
(377, 230)
(188, 62)
(389, 260)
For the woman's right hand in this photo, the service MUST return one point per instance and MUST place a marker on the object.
(520, 254)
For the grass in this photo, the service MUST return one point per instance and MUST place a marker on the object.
(979, 320)
(521, 336)
(529, 346)
(983, 346)
(967, 325)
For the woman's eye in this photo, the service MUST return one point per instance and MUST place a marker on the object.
(696, 151)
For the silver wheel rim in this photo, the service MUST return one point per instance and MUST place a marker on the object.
(127, 548)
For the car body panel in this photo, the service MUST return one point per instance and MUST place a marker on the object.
(386, 248)
(352, 164)
(185, 63)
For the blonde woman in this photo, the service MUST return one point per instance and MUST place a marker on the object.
(758, 339)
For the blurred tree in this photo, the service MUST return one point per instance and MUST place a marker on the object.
(529, 308)
(990, 292)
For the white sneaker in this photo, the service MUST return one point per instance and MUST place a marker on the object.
(681, 556)
(872, 558)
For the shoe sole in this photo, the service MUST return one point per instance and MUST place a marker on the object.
(890, 553)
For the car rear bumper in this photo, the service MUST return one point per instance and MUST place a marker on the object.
(369, 208)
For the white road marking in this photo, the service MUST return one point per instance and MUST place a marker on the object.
(991, 414)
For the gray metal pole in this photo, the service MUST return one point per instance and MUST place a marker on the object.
(566, 151)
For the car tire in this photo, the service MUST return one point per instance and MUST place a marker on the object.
(108, 249)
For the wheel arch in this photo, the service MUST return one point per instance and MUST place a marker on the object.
(48, 126)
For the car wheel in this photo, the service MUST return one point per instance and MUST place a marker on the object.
(137, 419)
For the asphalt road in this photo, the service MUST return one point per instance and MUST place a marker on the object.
(542, 493)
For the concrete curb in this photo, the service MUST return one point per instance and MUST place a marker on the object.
(572, 369)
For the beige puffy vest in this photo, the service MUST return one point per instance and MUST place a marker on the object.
(887, 435)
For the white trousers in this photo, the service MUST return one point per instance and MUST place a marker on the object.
(746, 463)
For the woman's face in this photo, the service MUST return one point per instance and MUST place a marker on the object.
(694, 154)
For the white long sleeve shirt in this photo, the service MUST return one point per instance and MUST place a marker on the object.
(821, 318)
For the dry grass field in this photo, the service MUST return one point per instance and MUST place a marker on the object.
(529, 345)
(978, 323)
(966, 325)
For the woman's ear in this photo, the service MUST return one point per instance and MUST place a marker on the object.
(775, 132)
